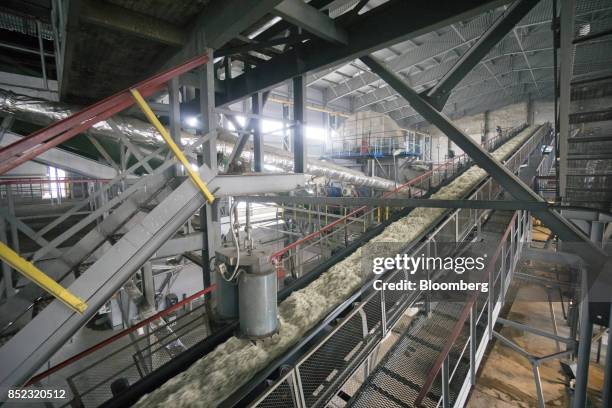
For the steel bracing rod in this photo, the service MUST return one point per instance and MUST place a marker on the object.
(506, 205)
(438, 95)
(103, 152)
(132, 148)
(103, 190)
(510, 182)
(511, 344)
(109, 204)
(244, 137)
(535, 331)
(554, 356)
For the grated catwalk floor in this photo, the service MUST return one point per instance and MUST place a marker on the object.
(399, 377)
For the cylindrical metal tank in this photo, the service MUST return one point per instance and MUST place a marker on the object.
(226, 297)
(257, 303)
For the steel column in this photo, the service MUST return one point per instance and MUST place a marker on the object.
(175, 116)
(41, 50)
(148, 284)
(584, 354)
(209, 213)
(244, 136)
(299, 144)
(566, 64)
(608, 366)
(519, 190)
(257, 109)
(7, 271)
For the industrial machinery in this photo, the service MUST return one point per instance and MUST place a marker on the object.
(247, 291)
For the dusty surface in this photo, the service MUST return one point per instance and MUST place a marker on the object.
(506, 378)
(213, 378)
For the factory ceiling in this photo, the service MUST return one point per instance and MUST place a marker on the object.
(109, 45)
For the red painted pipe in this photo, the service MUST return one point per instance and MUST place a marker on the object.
(17, 152)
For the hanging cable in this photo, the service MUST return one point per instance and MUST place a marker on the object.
(236, 242)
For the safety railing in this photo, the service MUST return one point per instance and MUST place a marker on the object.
(38, 189)
(128, 355)
(498, 274)
(375, 144)
(311, 249)
(348, 347)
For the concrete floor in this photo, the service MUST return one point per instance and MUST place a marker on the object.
(505, 379)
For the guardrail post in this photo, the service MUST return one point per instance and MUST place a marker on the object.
(296, 388)
(445, 384)
(428, 293)
(490, 305)
(456, 227)
(502, 272)
(299, 388)
(383, 313)
(473, 345)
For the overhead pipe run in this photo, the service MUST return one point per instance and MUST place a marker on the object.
(43, 113)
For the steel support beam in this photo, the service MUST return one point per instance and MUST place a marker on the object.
(148, 285)
(244, 136)
(312, 20)
(209, 213)
(299, 113)
(218, 23)
(564, 229)
(70, 30)
(438, 95)
(257, 109)
(401, 21)
(584, 355)
(175, 116)
(68, 161)
(7, 271)
(505, 205)
(566, 64)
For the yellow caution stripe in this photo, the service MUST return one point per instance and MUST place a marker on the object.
(37, 276)
(195, 177)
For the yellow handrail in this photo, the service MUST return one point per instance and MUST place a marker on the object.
(37, 276)
(195, 177)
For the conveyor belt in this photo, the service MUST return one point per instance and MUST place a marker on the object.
(238, 395)
(399, 377)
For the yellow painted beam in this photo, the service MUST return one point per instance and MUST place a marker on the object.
(195, 177)
(37, 276)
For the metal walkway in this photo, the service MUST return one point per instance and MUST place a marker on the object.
(401, 374)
